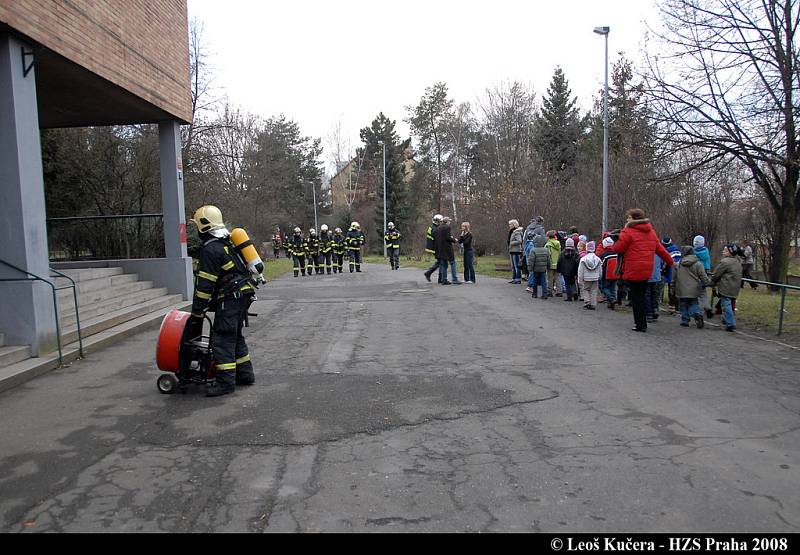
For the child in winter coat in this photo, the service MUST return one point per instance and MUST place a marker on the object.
(589, 270)
(690, 279)
(609, 276)
(553, 246)
(701, 251)
(669, 273)
(568, 268)
(727, 279)
(538, 262)
(655, 289)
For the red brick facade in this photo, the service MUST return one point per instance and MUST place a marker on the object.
(139, 45)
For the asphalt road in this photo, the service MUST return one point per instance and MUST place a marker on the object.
(384, 403)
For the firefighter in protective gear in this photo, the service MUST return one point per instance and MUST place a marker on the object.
(296, 248)
(339, 247)
(355, 238)
(312, 251)
(392, 239)
(277, 243)
(226, 287)
(430, 246)
(325, 250)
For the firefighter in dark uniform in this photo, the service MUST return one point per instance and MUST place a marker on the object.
(355, 238)
(296, 248)
(312, 251)
(430, 244)
(325, 250)
(339, 247)
(225, 286)
(392, 238)
(277, 243)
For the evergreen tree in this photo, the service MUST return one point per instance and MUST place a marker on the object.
(399, 206)
(557, 127)
(631, 140)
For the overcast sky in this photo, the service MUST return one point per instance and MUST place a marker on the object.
(322, 62)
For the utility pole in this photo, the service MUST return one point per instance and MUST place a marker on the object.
(314, 193)
(604, 31)
(384, 193)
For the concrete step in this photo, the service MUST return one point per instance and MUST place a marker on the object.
(103, 322)
(94, 310)
(21, 372)
(12, 355)
(66, 304)
(85, 274)
(97, 284)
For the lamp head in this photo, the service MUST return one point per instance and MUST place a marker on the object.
(602, 30)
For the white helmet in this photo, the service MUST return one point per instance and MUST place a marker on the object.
(312, 231)
(337, 230)
(323, 228)
(208, 218)
(355, 225)
(390, 225)
(297, 230)
(438, 218)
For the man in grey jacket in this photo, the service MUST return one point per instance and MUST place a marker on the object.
(536, 226)
(727, 279)
(748, 262)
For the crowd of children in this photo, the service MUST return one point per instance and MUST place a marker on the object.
(570, 266)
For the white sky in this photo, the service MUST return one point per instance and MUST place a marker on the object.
(319, 62)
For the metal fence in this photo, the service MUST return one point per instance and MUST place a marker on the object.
(784, 287)
(122, 236)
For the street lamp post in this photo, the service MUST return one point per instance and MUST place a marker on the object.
(314, 193)
(604, 31)
(384, 194)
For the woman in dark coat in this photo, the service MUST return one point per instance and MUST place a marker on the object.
(639, 244)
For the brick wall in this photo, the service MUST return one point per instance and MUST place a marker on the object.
(140, 45)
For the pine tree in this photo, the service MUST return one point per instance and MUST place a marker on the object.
(558, 125)
(399, 206)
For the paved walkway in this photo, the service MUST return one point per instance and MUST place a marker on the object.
(385, 403)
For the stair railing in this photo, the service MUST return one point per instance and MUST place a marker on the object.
(34, 277)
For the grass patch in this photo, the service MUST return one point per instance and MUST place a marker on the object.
(276, 268)
(760, 308)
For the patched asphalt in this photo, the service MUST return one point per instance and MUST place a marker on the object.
(385, 403)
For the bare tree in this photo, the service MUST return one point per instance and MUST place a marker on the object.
(428, 121)
(727, 83)
(460, 129)
(506, 130)
(340, 155)
(201, 86)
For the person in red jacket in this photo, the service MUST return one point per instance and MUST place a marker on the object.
(637, 245)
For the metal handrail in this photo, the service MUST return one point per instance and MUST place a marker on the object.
(784, 287)
(103, 217)
(34, 277)
(75, 299)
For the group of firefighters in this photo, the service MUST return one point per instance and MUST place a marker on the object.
(226, 284)
(324, 253)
